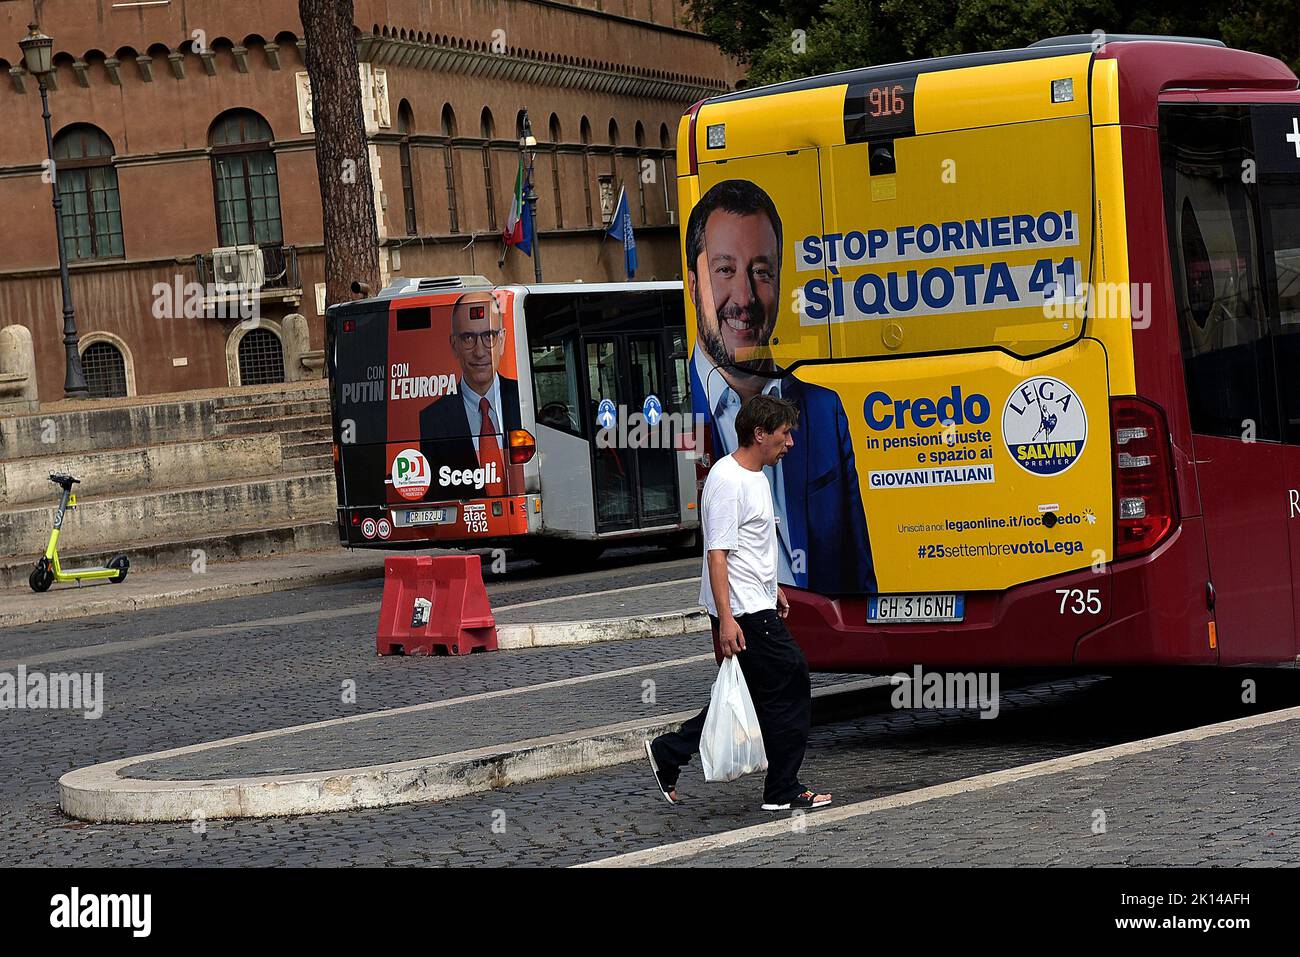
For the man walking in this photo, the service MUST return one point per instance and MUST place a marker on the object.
(739, 588)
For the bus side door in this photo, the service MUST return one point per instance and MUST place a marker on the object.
(1213, 227)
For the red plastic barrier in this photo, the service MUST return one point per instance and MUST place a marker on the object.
(435, 606)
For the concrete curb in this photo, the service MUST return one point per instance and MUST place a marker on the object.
(101, 795)
(182, 596)
(547, 634)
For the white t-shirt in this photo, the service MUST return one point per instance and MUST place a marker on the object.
(736, 514)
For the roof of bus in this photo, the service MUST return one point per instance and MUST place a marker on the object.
(546, 288)
(413, 291)
(886, 71)
(1148, 64)
(1053, 47)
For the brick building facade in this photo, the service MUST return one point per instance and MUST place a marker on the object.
(184, 127)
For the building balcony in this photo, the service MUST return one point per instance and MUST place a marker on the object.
(232, 274)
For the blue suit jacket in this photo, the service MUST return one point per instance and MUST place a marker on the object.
(824, 514)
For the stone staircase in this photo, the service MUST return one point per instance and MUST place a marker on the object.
(171, 481)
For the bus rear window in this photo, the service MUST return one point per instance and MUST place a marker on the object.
(414, 318)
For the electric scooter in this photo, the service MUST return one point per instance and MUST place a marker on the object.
(48, 570)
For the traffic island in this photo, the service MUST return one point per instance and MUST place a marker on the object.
(410, 755)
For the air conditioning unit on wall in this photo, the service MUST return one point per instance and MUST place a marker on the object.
(238, 266)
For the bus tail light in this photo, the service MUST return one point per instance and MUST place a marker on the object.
(522, 446)
(1146, 503)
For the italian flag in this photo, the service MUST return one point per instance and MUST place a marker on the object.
(518, 223)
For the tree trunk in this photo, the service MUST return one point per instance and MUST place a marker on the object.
(342, 153)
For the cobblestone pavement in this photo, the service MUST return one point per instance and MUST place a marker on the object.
(1228, 801)
(247, 673)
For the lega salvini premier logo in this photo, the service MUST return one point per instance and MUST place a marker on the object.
(1044, 425)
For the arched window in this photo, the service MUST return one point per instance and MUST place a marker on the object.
(555, 171)
(261, 358)
(246, 185)
(519, 124)
(613, 146)
(639, 136)
(92, 214)
(488, 129)
(405, 122)
(665, 142)
(104, 367)
(584, 132)
(449, 165)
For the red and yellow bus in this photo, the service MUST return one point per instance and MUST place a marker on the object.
(1040, 311)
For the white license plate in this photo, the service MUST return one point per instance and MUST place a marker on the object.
(422, 516)
(916, 608)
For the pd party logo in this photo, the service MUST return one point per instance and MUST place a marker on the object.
(411, 474)
(1044, 426)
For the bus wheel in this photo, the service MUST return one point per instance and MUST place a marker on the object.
(686, 544)
(566, 556)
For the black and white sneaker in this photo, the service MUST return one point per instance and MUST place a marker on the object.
(807, 801)
(667, 792)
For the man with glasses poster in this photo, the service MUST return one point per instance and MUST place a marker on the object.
(463, 433)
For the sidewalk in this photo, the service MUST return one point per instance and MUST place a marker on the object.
(155, 588)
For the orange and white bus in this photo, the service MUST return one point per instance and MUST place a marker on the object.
(540, 417)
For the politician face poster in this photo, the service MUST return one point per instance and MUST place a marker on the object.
(453, 398)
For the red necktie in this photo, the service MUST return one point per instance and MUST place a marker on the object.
(489, 450)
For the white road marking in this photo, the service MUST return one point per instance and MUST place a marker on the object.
(980, 782)
(444, 703)
(595, 594)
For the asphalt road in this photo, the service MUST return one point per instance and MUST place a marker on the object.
(185, 675)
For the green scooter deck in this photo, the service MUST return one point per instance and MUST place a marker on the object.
(90, 573)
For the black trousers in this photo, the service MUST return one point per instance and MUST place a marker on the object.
(776, 674)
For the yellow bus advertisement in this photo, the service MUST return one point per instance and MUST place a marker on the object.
(920, 297)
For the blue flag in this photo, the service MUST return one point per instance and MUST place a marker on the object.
(620, 227)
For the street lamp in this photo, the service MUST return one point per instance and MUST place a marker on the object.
(37, 49)
(527, 141)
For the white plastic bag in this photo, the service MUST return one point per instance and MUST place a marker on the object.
(731, 744)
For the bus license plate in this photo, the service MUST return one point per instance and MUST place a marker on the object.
(916, 608)
(425, 516)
